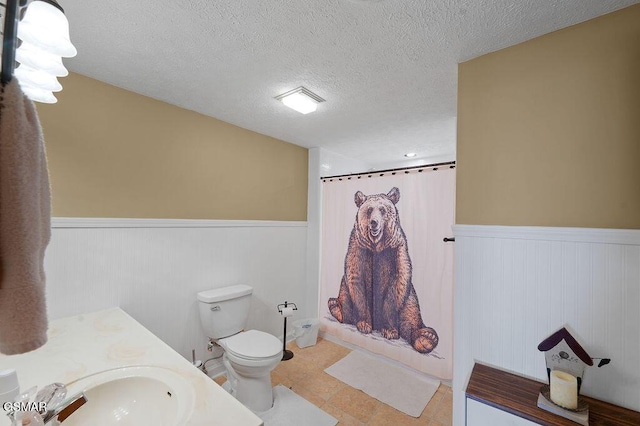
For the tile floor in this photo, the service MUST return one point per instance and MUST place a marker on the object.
(304, 374)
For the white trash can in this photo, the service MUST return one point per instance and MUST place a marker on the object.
(306, 332)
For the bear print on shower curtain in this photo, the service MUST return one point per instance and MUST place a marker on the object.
(387, 275)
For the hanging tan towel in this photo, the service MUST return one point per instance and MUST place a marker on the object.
(25, 224)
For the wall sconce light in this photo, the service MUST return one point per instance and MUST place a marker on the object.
(300, 99)
(33, 57)
(45, 26)
(44, 32)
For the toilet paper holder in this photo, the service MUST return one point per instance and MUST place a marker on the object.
(285, 310)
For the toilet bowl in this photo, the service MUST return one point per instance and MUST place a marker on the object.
(249, 356)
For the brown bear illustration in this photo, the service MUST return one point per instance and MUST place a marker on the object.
(376, 292)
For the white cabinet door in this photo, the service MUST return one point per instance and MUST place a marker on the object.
(479, 414)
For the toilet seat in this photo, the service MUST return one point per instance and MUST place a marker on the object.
(252, 345)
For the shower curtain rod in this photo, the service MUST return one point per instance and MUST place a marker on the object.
(451, 164)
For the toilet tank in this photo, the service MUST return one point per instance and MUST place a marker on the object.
(224, 311)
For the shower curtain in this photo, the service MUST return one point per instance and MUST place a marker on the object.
(386, 275)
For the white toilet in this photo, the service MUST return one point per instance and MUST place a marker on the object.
(249, 356)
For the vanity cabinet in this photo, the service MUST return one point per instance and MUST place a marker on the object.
(498, 398)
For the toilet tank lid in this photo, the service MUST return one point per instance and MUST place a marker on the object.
(224, 293)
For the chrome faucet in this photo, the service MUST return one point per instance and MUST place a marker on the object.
(59, 414)
(48, 408)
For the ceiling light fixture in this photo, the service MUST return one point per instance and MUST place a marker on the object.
(410, 154)
(300, 99)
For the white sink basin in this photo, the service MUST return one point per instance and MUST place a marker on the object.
(140, 395)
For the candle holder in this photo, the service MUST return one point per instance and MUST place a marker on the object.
(583, 406)
(566, 362)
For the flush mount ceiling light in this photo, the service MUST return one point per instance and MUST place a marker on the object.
(300, 99)
(410, 154)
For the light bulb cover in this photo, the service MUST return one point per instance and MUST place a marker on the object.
(38, 95)
(300, 99)
(30, 55)
(38, 79)
(300, 103)
(45, 26)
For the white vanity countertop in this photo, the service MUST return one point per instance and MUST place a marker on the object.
(99, 341)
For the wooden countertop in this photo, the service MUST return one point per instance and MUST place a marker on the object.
(519, 396)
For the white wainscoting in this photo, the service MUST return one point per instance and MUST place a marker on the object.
(514, 286)
(153, 269)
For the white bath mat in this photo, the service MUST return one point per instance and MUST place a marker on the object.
(290, 409)
(395, 386)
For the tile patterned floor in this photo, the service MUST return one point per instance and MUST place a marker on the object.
(304, 374)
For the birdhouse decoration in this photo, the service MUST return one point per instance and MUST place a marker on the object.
(563, 354)
(566, 363)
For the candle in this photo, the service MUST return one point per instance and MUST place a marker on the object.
(564, 389)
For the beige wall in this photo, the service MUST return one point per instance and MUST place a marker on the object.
(114, 153)
(549, 130)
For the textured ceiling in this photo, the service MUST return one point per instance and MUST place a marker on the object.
(387, 68)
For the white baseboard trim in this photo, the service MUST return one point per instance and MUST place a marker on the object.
(583, 235)
(90, 222)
